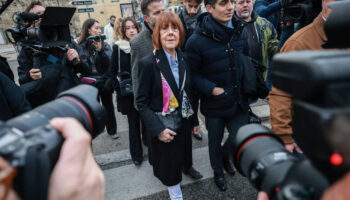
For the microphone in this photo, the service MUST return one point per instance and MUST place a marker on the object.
(28, 16)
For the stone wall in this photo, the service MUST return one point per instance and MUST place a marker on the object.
(103, 9)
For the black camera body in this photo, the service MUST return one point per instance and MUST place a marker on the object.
(96, 38)
(319, 82)
(302, 12)
(31, 145)
(52, 32)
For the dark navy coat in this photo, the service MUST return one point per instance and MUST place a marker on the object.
(213, 53)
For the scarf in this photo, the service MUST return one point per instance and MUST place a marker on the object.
(123, 45)
(190, 21)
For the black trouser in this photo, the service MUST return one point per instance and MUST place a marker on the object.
(188, 151)
(135, 145)
(216, 127)
(107, 102)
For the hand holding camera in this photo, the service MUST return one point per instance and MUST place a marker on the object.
(97, 41)
(73, 54)
(35, 74)
(83, 171)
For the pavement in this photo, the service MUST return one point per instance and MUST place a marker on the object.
(126, 181)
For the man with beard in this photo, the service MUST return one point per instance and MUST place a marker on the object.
(141, 45)
(189, 17)
(262, 35)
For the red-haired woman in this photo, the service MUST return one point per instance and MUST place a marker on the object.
(164, 86)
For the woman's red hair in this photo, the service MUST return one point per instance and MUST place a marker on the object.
(164, 19)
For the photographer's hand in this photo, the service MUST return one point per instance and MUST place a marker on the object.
(35, 74)
(98, 45)
(291, 147)
(262, 196)
(72, 54)
(76, 174)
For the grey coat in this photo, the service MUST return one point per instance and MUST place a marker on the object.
(141, 46)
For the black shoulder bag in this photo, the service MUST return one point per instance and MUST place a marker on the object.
(125, 81)
(253, 79)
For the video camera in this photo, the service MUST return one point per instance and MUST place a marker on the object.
(301, 11)
(52, 32)
(319, 82)
(31, 145)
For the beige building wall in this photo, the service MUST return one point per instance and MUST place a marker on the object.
(103, 9)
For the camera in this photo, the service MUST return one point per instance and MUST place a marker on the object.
(96, 38)
(31, 145)
(302, 12)
(319, 82)
(52, 32)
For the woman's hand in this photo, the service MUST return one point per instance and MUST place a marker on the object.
(166, 136)
(98, 45)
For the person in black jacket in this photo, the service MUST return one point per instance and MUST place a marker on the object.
(213, 53)
(13, 101)
(96, 56)
(121, 65)
(188, 16)
(164, 83)
(45, 73)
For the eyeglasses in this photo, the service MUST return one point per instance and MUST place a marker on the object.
(7, 174)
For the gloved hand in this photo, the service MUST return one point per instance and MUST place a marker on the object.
(286, 3)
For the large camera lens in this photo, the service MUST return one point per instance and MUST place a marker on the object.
(261, 156)
(79, 102)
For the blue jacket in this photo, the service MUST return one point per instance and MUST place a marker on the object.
(213, 54)
(269, 9)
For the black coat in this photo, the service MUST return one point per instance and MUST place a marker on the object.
(167, 158)
(102, 60)
(5, 68)
(13, 102)
(26, 62)
(124, 104)
(214, 54)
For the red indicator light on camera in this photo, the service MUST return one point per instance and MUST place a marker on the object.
(336, 159)
(277, 189)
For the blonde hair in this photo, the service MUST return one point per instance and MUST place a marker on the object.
(117, 29)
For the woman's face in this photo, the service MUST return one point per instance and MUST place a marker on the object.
(169, 37)
(130, 30)
(95, 29)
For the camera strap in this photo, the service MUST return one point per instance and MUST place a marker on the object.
(36, 173)
(53, 59)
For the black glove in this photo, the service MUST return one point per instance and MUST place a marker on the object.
(285, 3)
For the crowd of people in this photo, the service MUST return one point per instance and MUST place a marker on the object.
(164, 72)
